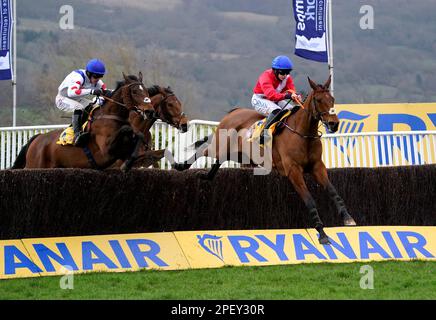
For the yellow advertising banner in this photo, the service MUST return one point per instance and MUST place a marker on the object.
(110, 253)
(376, 244)
(211, 249)
(15, 262)
(387, 149)
(386, 117)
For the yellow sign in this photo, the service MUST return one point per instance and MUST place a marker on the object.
(113, 253)
(387, 149)
(386, 117)
(15, 262)
(377, 244)
(211, 249)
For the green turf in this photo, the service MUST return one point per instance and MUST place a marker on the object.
(392, 280)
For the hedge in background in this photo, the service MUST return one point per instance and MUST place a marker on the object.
(67, 202)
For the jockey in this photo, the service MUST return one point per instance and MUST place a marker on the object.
(274, 90)
(74, 91)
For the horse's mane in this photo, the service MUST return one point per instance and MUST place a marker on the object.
(155, 90)
(123, 82)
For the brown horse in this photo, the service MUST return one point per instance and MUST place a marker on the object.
(167, 108)
(111, 136)
(295, 150)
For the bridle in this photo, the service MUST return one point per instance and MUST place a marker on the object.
(146, 100)
(160, 113)
(317, 115)
(132, 108)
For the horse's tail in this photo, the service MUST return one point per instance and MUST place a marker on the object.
(20, 161)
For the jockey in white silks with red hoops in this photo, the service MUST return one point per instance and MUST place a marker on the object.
(75, 91)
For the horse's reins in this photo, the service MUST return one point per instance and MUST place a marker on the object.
(116, 118)
(159, 107)
(318, 116)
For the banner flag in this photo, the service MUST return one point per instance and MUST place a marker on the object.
(6, 39)
(311, 29)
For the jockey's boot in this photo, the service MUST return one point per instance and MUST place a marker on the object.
(273, 117)
(79, 137)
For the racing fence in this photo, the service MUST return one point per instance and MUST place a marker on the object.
(365, 149)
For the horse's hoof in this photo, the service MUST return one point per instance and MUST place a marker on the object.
(324, 240)
(349, 222)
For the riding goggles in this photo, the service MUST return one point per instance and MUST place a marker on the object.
(96, 75)
(284, 72)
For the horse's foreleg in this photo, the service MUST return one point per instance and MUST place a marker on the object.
(139, 142)
(320, 174)
(296, 177)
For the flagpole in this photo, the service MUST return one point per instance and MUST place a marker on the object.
(330, 47)
(14, 68)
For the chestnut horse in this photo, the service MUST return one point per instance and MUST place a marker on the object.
(295, 150)
(167, 108)
(111, 136)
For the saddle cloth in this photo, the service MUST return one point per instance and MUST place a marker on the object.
(66, 138)
(256, 129)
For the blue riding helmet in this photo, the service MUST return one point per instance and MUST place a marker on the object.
(96, 66)
(282, 63)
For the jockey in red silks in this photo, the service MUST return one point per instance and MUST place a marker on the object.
(274, 90)
(74, 91)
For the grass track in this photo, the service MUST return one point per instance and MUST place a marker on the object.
(392, 280)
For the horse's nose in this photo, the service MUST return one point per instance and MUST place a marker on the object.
(333, 126)
(184, 127)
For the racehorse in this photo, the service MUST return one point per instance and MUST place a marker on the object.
(167, 108)
(296, 149)
(111, 136)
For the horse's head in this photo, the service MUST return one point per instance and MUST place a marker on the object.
(322, 105)
(169, 108)
(134, 94)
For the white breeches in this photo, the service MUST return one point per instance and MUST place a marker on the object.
(265, 106)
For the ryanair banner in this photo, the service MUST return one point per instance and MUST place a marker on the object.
(311, 29)
(111, 253)
(380, 117)
(211, 249)
(6, 39)
(274, 247)
(387, 149)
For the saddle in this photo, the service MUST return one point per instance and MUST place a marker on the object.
(66, 138)
(256, 129)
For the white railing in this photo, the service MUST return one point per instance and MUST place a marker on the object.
(369, 149)
(376, 149)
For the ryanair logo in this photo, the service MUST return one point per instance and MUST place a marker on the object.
(350, 123)
(212, 244)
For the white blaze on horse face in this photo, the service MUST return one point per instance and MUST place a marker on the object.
(141, 87)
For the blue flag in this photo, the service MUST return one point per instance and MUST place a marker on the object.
(6, 39)
(311, 29)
